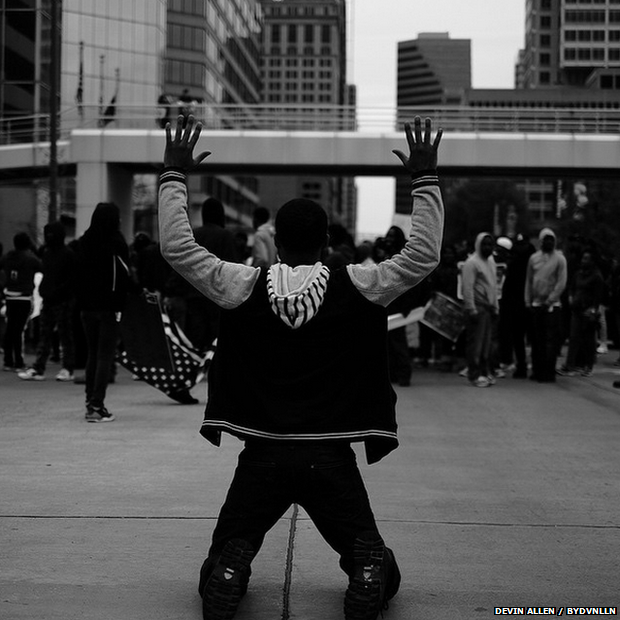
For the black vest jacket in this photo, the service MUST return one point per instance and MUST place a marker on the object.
(328, 380)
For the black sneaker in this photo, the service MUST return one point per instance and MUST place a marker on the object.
(98, 414)
(228, 582)
(365, 596)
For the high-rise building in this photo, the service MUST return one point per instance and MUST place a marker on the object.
(304, 81)
(571, 58)
(432, 70)
(134, 59)
(570, 43)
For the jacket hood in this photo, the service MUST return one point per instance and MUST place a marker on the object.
(546, 232)
(478, 243)
(296, 293)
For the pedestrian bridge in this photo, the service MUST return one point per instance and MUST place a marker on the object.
(104, 158)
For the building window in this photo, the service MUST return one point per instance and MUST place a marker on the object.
(570, 53)
(292, 33)
(545, 77)
(598, 53)
(545, 40)
(614, 54)
(545, 60)
(607, 82)
(545, 5)
(326, 34)
(275, 33)
(308, 33)
(614, 35)
(545, 21)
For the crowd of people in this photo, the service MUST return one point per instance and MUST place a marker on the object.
(513, 298)
(302, 315)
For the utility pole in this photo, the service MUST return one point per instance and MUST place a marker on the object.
(53, 106)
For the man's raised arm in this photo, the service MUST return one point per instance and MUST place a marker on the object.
(227, 284)
(388, 280)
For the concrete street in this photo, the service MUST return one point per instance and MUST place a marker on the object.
(500, 497)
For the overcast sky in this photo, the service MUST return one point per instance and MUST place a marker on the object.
(496, 30)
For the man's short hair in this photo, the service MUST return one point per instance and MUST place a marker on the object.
(301, 225)
(261, 215)
(213, 212)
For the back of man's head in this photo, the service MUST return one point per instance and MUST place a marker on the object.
(260, 216)
(301, 225)
(213, 212)
(21, 241)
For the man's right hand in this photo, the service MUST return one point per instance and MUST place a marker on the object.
(422, 153)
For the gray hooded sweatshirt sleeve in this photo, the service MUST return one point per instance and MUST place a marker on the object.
(230, 284)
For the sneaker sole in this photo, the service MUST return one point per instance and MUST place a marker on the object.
(363, 598)
(228, 583)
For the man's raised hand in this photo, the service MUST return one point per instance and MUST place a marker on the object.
(422, 153)
(179, 151)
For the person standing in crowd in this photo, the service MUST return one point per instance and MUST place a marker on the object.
(311, 346)
(399, 358)
(481, 307)
(57, 289)
(513, 324)
(264, 253)
(102, 284)
(445, 280)
(586, 294)
(614, 302)
(544, 284)
(196, 315)
(17, 271)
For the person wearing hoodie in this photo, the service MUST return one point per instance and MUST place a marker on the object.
(545, 282)
(481, 307)
(102, 284)
(17, 271)
(57, 289)
(586, 294)
(310, 344)
(264, 252)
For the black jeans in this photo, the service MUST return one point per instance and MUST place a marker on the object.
(323, 478)
(58, 316)
(546, 330)
(17, 313)
(101, 331)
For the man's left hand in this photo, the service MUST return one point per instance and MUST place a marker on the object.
(179, 151)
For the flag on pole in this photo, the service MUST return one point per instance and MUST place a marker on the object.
(110, 112)
(79, 95)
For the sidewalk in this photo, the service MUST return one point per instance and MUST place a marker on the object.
(499, 497)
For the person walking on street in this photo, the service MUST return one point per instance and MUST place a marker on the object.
(544, 284)
(17, 271)
(57, 289)
(311, 346)
(102, 284)
(481, 307)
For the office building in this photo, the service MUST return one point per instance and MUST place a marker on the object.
(570, 43)
(432, 70)
(125, 63)
(304, 84)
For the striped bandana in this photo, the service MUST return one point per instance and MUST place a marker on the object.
(296, 293)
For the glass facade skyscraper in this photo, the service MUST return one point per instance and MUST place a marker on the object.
(111, 49)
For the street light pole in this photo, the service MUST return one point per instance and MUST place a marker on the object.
(53, 106)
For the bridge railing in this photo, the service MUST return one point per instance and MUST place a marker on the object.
(298, 117)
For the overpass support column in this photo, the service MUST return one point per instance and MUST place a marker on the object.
(102, 182)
